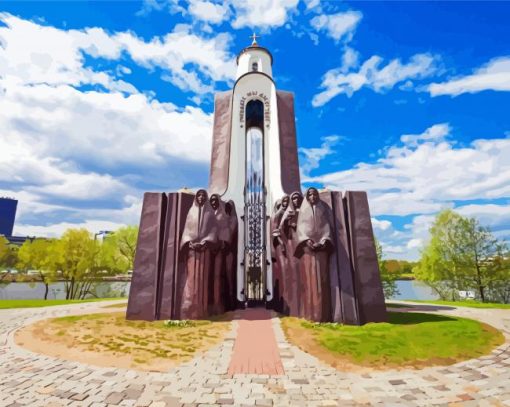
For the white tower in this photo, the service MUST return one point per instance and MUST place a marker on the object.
(248, 160)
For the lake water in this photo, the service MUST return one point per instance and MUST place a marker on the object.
(414, 290)
(31, 291)
(409, 290)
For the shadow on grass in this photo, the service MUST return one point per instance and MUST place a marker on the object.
(420, 307)
(412, 318)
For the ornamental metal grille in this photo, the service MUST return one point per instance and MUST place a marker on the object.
(255, 216)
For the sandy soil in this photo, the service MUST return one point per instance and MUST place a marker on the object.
(111, 341)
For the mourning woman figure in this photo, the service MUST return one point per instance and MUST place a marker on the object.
(314, 239)
(291, 274)
(230, 282)
(217, 277)
(279, 251)
(199, 239)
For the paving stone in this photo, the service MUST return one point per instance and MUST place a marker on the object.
(264, 402)
(79, 397)
(114, 398)
(223, 401)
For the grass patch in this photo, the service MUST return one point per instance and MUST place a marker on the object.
(407, 340)
(469, 303)
(5, 304)
(108, 339)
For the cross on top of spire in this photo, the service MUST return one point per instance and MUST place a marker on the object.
(254, 39)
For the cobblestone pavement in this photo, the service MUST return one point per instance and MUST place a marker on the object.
(36, 380)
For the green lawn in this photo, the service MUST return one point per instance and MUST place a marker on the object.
(408, 339)
(4, 304)
(469, 303)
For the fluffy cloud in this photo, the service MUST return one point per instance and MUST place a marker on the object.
(30, 55)
(338, 26)
(207, 11)
(263, 14)
(495, 75)
(371, 74)
(311, 157)
(73, 157)
(428, 173)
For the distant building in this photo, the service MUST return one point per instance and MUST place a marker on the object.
(7, 215)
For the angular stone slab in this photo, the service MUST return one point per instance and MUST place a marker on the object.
(172, 261)
(220, 153)
(143, 292)
(367, 279)
(343, 301)
(288, 145)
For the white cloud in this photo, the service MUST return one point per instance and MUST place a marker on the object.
(491, 215)
(36, 54)
(381, 224)
(338, 81)
(435, 133)
(262, 14)
(75, 157)
(414, 244)
(428, 174)
(495, 75)
(311, 157)
(109, 129)
(338, 26)
(207, 11)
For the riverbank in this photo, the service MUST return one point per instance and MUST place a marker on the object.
(8, 304)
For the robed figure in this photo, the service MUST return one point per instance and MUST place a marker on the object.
(199, 240)
(218, 276)
(315, 242)
(279, 252)
(291, 273)
(230, 281)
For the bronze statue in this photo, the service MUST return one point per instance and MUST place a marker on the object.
(230, 281)
(279, 252)
(200, 238)
(217, 277)
(314, 244)
(292, 292)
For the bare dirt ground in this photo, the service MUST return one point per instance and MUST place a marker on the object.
(109, 340)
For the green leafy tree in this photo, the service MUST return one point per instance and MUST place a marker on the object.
(120, 248)
(78, 256)
(8, 254)
(39, 255)
(388, 279)
(8, 258)
(461, 255)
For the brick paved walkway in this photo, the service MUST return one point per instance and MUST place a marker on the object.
(36, 380)
(255, 348)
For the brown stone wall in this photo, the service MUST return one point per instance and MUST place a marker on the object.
(220, 153)
(367, 279)
(288, 144)
(142, 301)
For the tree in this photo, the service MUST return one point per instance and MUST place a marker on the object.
(39, 255)
(461, 255)
(8, 258)
(388, 279)
(8, 254)
(121, 247)
(77, 255)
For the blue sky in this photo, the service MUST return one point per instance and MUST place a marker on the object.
(410, 101)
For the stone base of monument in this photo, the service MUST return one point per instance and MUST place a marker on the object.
(344, 288)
